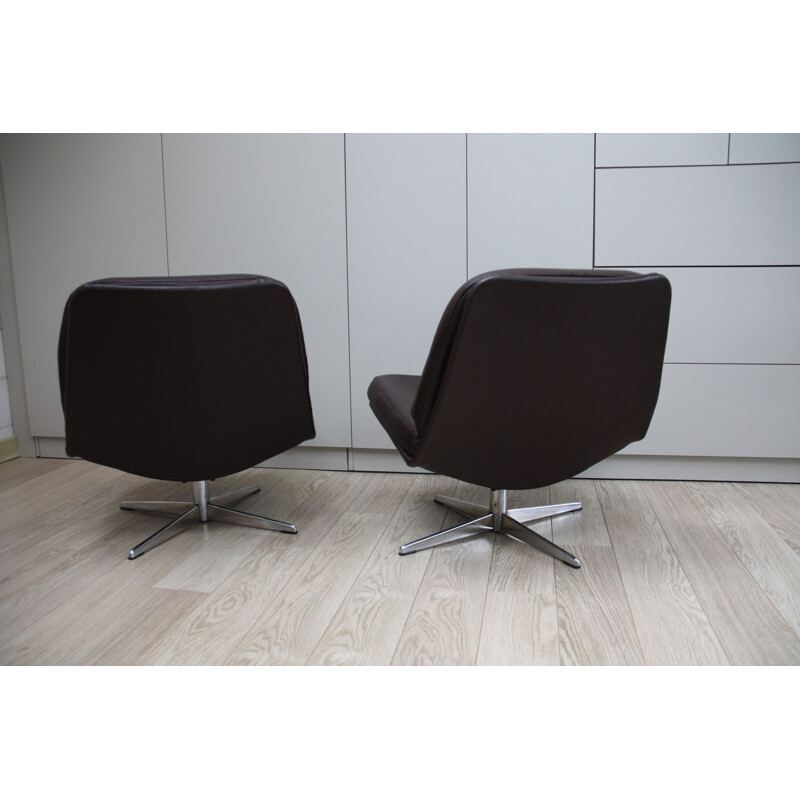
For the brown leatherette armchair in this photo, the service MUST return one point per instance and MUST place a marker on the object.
(534, 375)
(184, 379)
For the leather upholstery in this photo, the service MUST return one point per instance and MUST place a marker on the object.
(183, 378)
(533, 376)
(390, 397)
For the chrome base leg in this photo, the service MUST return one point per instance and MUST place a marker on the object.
(236, 495)
(542, 512)
(472, 528)
(170, 507)
(231, 515)
(516, 530)
(497, 518)
(201, 509)
(167, 532)
(462, 506)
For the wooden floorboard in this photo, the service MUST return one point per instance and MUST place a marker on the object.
(520, 618)
(747, 623)
(670, 622)
(212, 632)
(367, 625)
(444, 623)
(674, 573)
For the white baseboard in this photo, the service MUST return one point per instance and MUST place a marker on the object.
(380, 461)
(330, 458)
(47, 447)
(622, 467)
(8, 449)
(696, 468)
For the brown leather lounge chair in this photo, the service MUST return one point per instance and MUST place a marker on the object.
(184, 379)
(533, 376)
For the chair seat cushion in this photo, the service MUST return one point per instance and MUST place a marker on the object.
(390, 397)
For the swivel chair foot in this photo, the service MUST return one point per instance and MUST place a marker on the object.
(200, 509)
(498, 518)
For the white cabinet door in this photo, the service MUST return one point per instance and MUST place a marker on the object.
(698, 216)
(762, 148)
(661, 149)
(530, 200)
(725, 410)
(271, 204)
(80, 207)
(740, 315)
(406, 222)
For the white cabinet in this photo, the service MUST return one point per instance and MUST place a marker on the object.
(406, 223)
(725, 410)
(661, 149)
(762, 148)
(739, 315)
(79, 207)
(698, 216)
(271, 204)
(374, 232)
(530, 201)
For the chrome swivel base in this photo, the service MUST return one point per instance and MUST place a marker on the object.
(497, 518)
(200, 509)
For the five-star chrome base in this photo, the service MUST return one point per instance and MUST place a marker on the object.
(497, 518)
(200, 509)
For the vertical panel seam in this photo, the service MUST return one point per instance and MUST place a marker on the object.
(594, 202)
(466, 204)
(164, 198)
(350, 465)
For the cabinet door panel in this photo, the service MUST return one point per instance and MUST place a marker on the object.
(741, 315)
(661, 149)
(762, 148)
(530, 201)
(406, 221)
(271, 204)
(80, 207)
(698, 216)
(725, 410)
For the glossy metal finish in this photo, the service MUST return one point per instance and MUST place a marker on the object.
(168, 507)
(235, 495)
(200, 509)
(200, 497)
(516, 530)
(235, 517)
(498, 518)
(167, 532)
(542, 512)
(463, 531)
(462, 506)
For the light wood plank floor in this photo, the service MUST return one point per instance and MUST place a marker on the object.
(673, 574)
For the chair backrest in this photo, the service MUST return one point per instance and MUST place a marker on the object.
(535, 375)
(183, 378)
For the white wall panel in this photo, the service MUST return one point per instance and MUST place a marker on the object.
(661, 149)
(530, 200)
(80, 207)
(406, 219)
(271, 204)
(728, 410)
(698, 216)
(760, 148)
(740, 315)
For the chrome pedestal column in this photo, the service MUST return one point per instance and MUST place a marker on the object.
(201, 508)
(497, 518)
